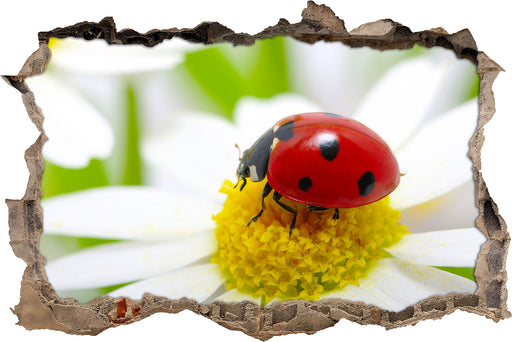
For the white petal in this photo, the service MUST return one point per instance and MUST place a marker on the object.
(452, 210)
(335, 75)
(435, 159)
(253, 116)
(76, 131)
(458, 79)
(455, 247)
(194, 153)
(197, 282)
(406, 284)
(358, 294)
(323, 72)
(394, 285)
(400, 100)
(118, 263)
(98, 57)
(236, 296)
(128, 212)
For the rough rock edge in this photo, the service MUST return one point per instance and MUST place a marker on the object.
(41, 308)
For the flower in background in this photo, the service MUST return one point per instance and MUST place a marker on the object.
(164, 234)
(70, 120)
(87, 96)
(100, 58)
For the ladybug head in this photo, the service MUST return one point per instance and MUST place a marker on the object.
(243, 171)
(254, 161)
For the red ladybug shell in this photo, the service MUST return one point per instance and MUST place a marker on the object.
(327, 160)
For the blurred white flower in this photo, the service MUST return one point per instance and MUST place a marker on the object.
(77, 131)
(99, 57)
(77, 128)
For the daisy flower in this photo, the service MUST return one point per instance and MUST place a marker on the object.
(388, 253)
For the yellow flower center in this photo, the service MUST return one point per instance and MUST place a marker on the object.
(321, 254)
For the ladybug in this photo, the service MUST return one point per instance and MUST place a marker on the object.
(326, 161)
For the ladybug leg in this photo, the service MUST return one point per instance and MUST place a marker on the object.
(266, 191)
(336, 215)
(277, 197)
(315, 208)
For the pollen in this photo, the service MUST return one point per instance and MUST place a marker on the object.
(321, 254)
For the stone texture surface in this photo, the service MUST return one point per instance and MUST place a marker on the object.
(40, 307)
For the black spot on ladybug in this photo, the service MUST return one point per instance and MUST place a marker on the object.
(366, 183)
(285, 131)
(305, 183)
(329, 147)
(333, 115)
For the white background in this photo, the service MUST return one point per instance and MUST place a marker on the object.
(21, 20)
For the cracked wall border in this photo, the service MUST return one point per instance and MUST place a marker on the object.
(41, 308)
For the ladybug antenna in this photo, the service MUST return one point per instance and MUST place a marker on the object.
(238, 181)
(239, 153)
(403, 173)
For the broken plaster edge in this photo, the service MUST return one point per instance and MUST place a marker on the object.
(41, 308)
